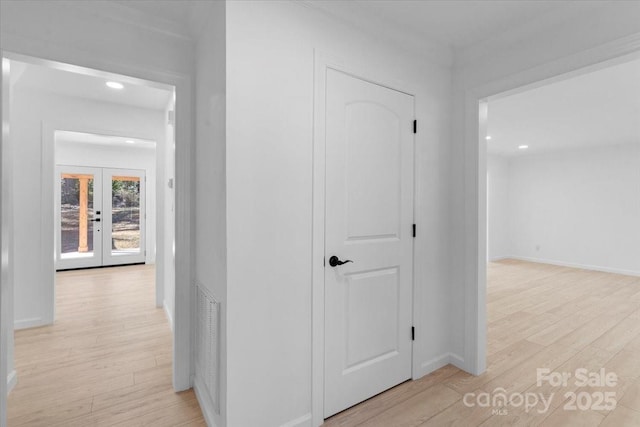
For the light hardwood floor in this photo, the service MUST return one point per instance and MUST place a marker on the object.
(106, 361)
(540, 316)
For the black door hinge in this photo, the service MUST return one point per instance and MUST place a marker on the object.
(413, 333)
(415, 126)
(414, 230)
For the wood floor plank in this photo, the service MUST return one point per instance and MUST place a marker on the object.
(380, 403)
(417, 409)
(622, 416)
(106, 360)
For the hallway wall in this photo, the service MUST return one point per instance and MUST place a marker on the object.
(31, 108)
(269, 152)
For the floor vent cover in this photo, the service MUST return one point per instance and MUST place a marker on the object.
(207, 344)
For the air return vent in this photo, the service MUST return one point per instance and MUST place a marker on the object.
(207, 344)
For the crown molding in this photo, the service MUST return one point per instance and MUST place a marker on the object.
(353, 15)
(131, 16)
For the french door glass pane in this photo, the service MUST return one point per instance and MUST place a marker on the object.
(76, 212)
(125, 211)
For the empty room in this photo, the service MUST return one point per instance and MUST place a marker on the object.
(563, 198)
(324, 217)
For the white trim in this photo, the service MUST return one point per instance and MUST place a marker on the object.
(499, 258)
(206, 405)
(12, 380)
(323, 62)
(304, 420)
(33, 322)
(456, 360)
(438, 362)
(167, 312)
(123, 14)
(6, 230)
(577, 265)
(617, 51)
(317, 244)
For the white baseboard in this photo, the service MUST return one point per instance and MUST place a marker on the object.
(206, 404)
(499, 258)
(12, 380)
(458, 362)
(578, 265)
(167, 312)
(438, 362)
(29, 323)
(303, 421)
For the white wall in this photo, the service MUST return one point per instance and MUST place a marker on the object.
(555, 44)
(31, 108)
(210, 223)
(575, 207)
(499, 241)
(270, 70)
(124, 157)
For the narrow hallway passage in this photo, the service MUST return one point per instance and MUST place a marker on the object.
(106, 361)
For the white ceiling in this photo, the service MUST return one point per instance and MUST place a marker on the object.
(63, 136)
(88, 87)
(171, 10)
(594, 109)
(455, 23)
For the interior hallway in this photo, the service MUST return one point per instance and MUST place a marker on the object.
(106, 361)
(540, 316)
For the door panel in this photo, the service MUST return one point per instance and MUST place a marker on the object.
(373, 177)
(369, 217)
(124, 217)
(78, 208)
(371, 317)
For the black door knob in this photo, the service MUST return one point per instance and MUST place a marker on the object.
(335, 261)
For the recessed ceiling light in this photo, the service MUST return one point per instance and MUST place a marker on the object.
(523, 147)
(115, 85)
(488, 137)
(130, 141)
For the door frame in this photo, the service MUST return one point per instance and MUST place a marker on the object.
(6, 242)
(322, 63)
(182, 84)
(475, 174)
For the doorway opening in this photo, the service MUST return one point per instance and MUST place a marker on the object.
(56, 203)
(558, 161)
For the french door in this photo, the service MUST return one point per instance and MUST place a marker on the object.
(100, 217)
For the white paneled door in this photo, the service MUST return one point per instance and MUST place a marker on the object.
(368, 239)
(100, 217)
